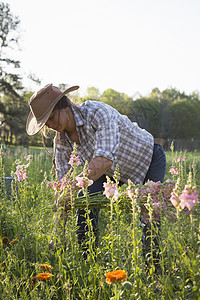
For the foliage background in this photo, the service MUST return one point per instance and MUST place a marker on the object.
(169, 114)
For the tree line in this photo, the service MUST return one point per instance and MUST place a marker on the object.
(169, 114)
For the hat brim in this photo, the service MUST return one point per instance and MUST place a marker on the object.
(33, 125)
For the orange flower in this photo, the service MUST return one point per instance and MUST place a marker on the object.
(45, 266)
(44, 276)
(115, 276)
(4, 240)
(14, 241)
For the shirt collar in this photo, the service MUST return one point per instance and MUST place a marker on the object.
(78, 118)
(78, 115)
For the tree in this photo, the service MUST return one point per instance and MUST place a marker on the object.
(185, 120)
(146, 112)
(92, 94)
(10, 82)
(119, 101)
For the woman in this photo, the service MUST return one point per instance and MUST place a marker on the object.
(103, 137)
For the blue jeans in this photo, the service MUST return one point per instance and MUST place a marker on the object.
(156, 172)
(157, 167)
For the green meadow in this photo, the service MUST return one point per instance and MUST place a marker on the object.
(28, 218)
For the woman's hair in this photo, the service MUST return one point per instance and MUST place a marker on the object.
(62, 103)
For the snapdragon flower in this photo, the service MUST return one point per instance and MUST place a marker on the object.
(83, 181)
(189, 197)
(28, 157)
(21, 172)
(74, 161)
(180, 158)
(111, 190)
(174, 171)
(158, 194)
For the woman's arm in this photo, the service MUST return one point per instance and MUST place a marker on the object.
(98, 166)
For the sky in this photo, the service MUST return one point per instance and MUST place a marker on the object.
(130, 46)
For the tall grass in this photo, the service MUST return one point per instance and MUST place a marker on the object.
(27, 220)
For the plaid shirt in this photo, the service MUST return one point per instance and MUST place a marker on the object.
(103, 131)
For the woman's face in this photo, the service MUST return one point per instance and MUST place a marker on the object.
(56, 120)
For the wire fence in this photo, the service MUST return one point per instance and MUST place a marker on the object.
(189, 145)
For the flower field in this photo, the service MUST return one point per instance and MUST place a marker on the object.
(149, 236)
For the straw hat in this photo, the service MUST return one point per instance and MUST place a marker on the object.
(42, 104)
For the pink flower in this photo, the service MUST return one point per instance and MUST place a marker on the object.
(153, 186)
(180, 158)
(111, 190)
(116, 195)
(65, 182)
(74, 161)
(174, 199)
(56, 186)
(28, 157)
(49, 184)
(21, 172)
(130, 192)
(83, 181)
(174, 171)
(169, 181)
(189, 197)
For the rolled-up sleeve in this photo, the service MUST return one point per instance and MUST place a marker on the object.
(106, 134)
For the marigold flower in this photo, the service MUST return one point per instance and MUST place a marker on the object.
(14, 241)
(44, 276)
(4, 240)
(45, 266)
(115, 276)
